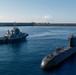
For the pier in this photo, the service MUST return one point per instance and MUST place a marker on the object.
(37, 24)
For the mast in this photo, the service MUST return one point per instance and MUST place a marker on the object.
(14, 24)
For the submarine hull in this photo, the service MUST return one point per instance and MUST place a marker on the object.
(48, 63)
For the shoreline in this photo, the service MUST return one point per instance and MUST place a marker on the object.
(38, 24)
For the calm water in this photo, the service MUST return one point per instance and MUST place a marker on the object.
(24, 58)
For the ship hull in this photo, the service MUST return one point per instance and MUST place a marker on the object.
(48, 64)
(13, 40)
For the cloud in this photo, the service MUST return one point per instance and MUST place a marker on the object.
(46, 18)
(6, 18)
(1, 17)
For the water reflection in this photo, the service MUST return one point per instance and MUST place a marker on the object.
(14, 51)
(16, 46)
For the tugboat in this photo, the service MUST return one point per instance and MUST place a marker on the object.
(13, 36)
(52, 60)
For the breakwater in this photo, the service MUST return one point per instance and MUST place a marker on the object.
(38, 24)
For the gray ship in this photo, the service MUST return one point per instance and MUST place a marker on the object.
(14, 35)
(52, 60)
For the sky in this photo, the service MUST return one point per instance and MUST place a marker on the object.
(52, 11)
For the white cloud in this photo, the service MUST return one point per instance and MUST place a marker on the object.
(46, 18)
(1, 17)
(6, 18)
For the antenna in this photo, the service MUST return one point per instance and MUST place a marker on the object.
(14, 24)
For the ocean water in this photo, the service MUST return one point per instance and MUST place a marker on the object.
(24, 58)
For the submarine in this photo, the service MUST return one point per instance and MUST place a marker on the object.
(52, 60)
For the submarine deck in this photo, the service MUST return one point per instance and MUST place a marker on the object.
(57, 53)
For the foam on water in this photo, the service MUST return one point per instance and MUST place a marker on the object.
(52, 34)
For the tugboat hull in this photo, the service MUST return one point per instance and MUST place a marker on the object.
(13, 40)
